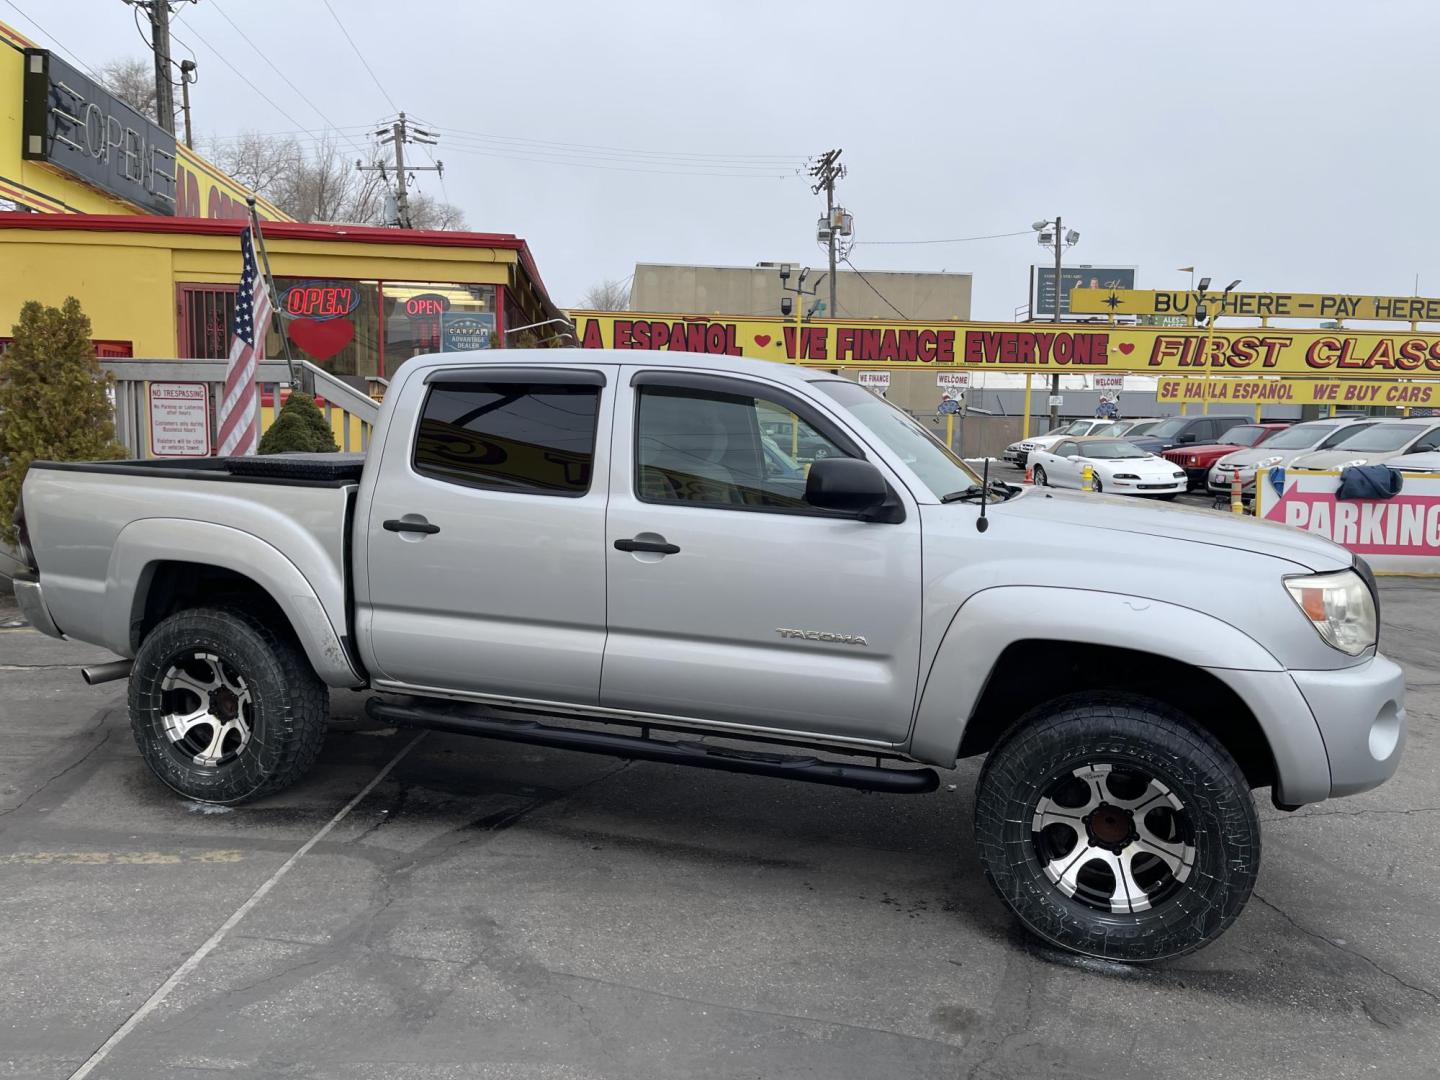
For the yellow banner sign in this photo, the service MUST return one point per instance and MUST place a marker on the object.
(1299, 392)
(1086, 301)
(837, 343)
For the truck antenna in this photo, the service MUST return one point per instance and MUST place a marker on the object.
(982, 522)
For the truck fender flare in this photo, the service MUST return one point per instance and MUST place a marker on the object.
(144, 543)
(993, 619)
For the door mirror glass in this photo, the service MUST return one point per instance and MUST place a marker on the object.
(845, 484)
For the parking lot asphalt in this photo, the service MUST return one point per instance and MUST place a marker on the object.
(491, 910)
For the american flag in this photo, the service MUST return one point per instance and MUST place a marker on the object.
(239, 427)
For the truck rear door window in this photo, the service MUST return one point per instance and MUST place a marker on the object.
(534, 438)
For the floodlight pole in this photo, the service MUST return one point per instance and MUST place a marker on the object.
(1055, 377)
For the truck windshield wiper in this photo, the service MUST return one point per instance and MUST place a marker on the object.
(997, 489)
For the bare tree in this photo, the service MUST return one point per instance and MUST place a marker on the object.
(608, 295)
(133, 81)
(428, 212)
(321, 184)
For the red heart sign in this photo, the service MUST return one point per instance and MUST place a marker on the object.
(762, 340)
(1126, 347)
(322, 339)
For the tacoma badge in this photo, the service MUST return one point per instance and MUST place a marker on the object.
(821, 635)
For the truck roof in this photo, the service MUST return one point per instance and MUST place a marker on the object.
(769, 369)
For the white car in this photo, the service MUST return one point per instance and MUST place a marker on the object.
(1118, 467)
(1018, 453)
(1376, 444)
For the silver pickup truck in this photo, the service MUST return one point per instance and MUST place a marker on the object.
(540, 538)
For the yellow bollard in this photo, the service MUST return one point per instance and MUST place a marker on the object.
(1237, 501)
(1087, 478)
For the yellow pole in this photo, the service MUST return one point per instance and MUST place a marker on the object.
(949, 431)
(1025, 430)
(1257, 412)
(1205, 389)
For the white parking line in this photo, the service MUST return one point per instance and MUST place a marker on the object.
(159, 996)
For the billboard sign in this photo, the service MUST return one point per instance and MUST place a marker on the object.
(1351, 395)
(73, 124)
(1181, 303)
(1036, 347)
(1042, 304)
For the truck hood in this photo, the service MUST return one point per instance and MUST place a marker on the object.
(1190, 524)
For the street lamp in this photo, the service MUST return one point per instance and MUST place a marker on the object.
(1062, 239)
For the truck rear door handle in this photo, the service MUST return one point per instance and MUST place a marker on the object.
(660, 547)
(399, 525)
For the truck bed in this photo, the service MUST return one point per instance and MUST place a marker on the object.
(100, 531)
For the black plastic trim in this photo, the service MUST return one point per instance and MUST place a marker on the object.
(697, 755)
(546, 374)
(211, 469)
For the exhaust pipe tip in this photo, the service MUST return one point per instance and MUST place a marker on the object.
(103, 673)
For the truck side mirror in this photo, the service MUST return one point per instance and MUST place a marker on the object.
(846, 484)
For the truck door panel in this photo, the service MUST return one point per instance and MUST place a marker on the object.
(486, 537)
(767, 612)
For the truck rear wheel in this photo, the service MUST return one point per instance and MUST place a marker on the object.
(223, 709)
(1115, 828)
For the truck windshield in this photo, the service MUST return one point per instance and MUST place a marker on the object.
(940, 470)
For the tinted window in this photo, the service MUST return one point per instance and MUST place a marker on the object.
(1244, 435)
(1300, 436)
(1167, 429)
(1383, 437)
(536, 438)
(715, 449)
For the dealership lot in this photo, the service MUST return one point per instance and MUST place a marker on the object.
(494, 910)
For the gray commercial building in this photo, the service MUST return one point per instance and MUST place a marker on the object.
(755, 290)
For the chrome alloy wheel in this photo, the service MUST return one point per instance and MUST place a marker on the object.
(1113, 838)
(207, 708)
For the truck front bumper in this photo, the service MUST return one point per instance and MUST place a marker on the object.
(32, 605)
(1360, 711)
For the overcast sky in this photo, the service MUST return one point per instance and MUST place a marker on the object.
(1281, 142)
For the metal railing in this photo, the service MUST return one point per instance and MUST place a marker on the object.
(351, 413)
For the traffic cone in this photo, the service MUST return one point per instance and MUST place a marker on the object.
(1237, 502)
(1029, 473)
(1087, 478)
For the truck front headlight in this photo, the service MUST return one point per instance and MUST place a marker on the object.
(1340, 607)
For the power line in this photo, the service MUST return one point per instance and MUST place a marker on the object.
(956, 240)
(190, 28)
(52, 37)
(340, 23)
(774, 159)
(579, 164)
(876, 291)
(288, 82)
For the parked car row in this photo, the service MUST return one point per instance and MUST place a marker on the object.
(1168, 456)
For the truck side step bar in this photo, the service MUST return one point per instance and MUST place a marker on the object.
(787, 766)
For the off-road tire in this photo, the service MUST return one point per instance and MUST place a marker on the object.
(289, 706)
(1129, 733)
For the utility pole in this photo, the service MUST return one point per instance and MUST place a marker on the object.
(826, 171)
(160, 40)
(398, 134)
(187, 76)
(1055, 377)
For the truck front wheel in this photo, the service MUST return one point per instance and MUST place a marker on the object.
(223, 708)
(1115, 828)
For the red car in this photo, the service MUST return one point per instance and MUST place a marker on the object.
(1196, 460)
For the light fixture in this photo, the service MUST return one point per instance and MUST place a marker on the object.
(1204, 284)
(1039, 225)
(804, 272)
(1072, 237)
(1232, 286)
(784, 272)
(786, 306)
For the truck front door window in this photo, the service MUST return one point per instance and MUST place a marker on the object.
(714, 449)
(534, 438)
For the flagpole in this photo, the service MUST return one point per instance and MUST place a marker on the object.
(270, 288)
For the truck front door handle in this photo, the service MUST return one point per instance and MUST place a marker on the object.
(660, 547)
(400, 525)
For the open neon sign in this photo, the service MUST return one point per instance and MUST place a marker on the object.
(319, 300)
(427, 304)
